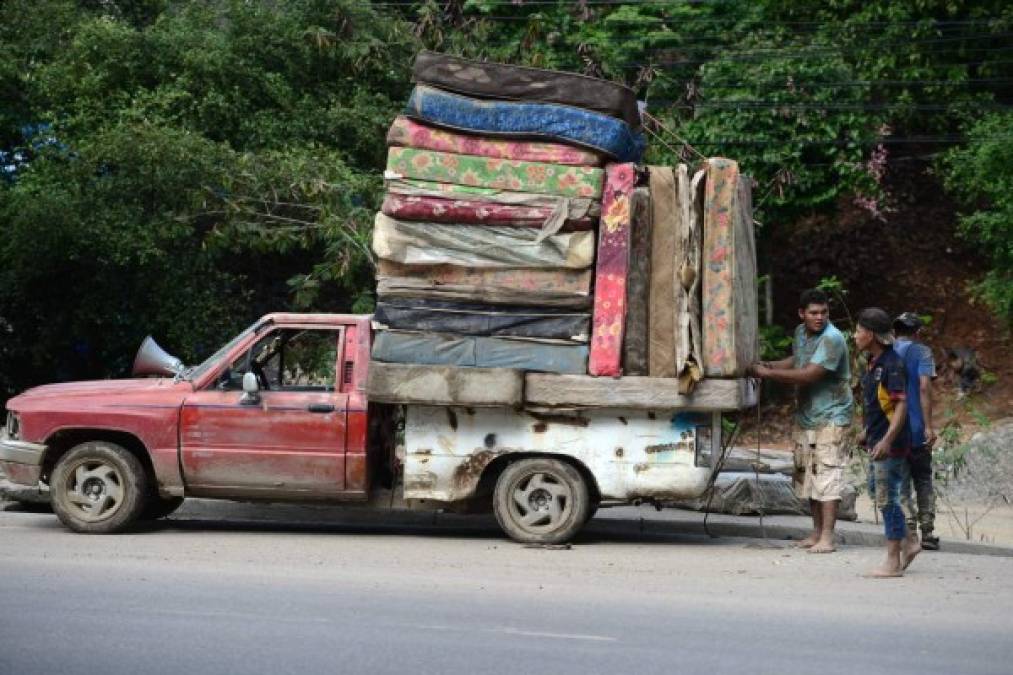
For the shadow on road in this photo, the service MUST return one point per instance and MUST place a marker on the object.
(462, 527)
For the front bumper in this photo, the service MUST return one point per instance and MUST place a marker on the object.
(21, 460)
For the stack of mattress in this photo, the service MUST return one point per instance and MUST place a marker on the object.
(510, 191)
(702, 306)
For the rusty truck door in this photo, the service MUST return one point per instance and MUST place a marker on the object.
(290, 442)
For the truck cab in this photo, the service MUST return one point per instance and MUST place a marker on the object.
(283, 413)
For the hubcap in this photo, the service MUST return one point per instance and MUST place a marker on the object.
(95, 490)
(540, 502)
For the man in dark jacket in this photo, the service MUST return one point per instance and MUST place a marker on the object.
(886, 436)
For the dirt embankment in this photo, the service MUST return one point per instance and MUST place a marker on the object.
(911, 260)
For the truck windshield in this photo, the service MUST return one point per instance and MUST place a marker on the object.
(196, 372)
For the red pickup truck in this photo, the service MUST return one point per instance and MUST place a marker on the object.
(281, 413)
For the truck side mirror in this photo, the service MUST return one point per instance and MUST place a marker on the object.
(251, 390)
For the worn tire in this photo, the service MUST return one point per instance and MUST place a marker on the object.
(541, 501)
(160, 507)
(98, 488)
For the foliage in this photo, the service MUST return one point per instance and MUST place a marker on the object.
(180, 167)
(981, 173)
(188, 166)
(775, 343)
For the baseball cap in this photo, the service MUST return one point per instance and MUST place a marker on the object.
(908, 320)
(878, 322)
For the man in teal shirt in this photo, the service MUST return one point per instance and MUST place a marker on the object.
(820, 366)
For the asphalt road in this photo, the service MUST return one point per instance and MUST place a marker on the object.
(195, 596)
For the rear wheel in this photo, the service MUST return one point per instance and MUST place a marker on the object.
(541, 501)
(98, 488)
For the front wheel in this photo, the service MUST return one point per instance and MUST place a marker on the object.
(98, 488)
(541, 501)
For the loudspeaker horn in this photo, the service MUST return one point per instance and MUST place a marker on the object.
(153, 360)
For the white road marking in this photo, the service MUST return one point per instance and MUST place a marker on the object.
(554, 636)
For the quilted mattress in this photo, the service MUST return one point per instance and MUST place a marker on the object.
(500, 174)
(474, 212)
(435, 349)
(415, 243)
(542, 287)
(555, 123)
(414, 134)
(465, 318)
(638, 291)
(729, 272)
(503, 81)
(611, 270)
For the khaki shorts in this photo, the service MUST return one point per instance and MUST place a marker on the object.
(820, 457)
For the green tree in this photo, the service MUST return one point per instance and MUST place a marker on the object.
(187, 166)
(981, 173)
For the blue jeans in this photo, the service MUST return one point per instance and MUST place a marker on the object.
(887, 480)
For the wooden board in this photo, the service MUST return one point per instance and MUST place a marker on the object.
(444, 385)
(652, 393)
(509, 388)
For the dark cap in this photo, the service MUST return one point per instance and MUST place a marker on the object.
(908, 321)
(878, 322)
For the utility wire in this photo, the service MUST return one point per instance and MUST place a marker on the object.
(828, 107)
(785, 81)
(854, 143)
(654, 120)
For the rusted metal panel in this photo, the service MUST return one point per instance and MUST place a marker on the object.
(631, 453)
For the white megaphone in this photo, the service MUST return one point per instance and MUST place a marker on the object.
(153, 360)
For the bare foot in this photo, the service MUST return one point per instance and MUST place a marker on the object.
(912, 547)
(807, 542)
(822, 547)
(884, 573)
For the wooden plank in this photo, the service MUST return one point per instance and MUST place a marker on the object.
(652, 393)
(444, 385)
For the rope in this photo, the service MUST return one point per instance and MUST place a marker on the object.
(714, 476)
(654, 120)
(756, 466)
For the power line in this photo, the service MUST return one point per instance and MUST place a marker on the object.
(800, 49)
(763, 105)
(841, 84)
(656, 5)
(853, 143)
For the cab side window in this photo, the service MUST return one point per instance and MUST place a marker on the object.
(308, 361)
(290, 359)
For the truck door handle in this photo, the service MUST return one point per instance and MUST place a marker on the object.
(320, 408)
